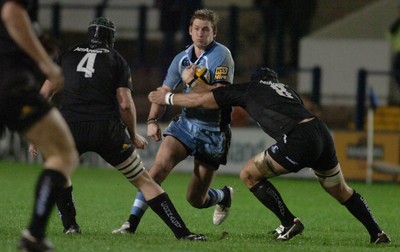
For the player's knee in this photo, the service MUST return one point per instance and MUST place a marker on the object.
(244, 175)
(330, 179)
(73, 159)
(247, 177)
(64, 162)
(158, 172)
(335, 184)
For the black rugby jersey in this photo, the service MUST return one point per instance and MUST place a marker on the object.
(274, 106)
(92, 76)
(7, 45)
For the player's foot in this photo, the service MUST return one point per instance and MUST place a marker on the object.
(278, 230)
(73, 229)
(380, 238)
(221, 211)
(29, 243)
(194, 237)
(124, 229)
(289, 232)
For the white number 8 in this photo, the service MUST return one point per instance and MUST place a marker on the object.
(281, 90)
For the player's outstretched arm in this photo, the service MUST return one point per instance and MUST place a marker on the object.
(192, 100)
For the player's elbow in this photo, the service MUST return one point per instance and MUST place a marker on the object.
(125, 106)
(9, 11)
(207, 101)
(125, 103)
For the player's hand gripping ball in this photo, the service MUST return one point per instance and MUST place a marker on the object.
(203, 74)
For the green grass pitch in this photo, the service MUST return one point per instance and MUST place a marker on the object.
(104, 198)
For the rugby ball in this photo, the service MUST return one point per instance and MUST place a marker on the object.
(203, 74)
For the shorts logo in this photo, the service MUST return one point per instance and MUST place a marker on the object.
(291, 161)
(221, 73)
(274, 148)
(125, 147)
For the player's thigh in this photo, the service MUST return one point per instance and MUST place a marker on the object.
(169, 154)
(109, 139)
(52, 137)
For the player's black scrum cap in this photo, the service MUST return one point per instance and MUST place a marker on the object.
(264, 74)
(102, 31)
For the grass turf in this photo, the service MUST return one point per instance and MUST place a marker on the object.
(104, 198)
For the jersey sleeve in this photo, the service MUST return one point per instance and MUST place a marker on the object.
(124, 73)
(232, 95)
(222, 67)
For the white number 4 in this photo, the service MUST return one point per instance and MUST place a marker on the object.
(86, 64)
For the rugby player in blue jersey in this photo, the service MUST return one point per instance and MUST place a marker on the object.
(203, 134)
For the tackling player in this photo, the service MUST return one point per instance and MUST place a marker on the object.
(302, 140)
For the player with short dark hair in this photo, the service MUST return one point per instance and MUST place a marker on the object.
(98, 106)
(302, 140)
(23, 61)
(203, 134)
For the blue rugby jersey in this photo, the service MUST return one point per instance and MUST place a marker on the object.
(218, 60)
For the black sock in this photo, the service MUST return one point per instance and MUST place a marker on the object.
(66, 207)
(164, 208)
(267, 194)
(49, 185)
(359, 209)
(133, 222)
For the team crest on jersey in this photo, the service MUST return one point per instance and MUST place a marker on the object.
(186, 62)
(221, 73)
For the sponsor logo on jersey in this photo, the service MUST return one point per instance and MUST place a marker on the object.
(221, 73)
(88, 50)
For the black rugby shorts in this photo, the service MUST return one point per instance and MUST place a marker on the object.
(309, 144)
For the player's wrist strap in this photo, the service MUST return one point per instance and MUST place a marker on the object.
(169, 98)
(151, 120)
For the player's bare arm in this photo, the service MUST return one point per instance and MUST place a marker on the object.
(48, 89)
(156, 111)
(127, 111)
(19, 27)
(192, 100)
